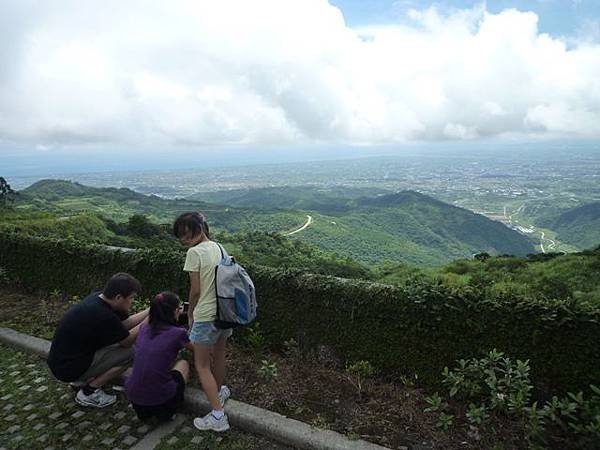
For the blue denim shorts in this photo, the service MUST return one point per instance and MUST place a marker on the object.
(207, 333)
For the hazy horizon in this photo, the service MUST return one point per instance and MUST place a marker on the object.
(77, 169)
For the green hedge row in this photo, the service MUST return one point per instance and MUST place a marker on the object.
(417, 329)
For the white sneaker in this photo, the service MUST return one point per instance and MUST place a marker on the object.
(211, 423)
(224, 395)
(97, 399)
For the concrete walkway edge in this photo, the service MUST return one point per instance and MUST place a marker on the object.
(153, 438)
(246, 417)
(24, 342)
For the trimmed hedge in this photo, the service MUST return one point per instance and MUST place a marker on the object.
(418, 329)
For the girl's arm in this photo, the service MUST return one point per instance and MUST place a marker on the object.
(135, 319)
(194, 295)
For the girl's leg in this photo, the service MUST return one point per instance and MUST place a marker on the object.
(183, 368)
(202, 357)
(218, 367)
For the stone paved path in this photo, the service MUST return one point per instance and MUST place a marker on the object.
(37, 412)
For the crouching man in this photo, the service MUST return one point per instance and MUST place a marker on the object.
(93, 342)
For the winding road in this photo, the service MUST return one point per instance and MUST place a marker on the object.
(551, 245)
(309, 220)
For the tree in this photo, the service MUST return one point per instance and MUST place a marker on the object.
(140, 226)
(481, 256)
(6, 193)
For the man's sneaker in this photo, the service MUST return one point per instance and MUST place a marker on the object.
(224, 394)
(76, 385)
(210, 422)
(97, 399)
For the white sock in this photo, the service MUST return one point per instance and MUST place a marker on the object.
(218, 414)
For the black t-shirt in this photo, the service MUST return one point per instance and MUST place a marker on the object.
(85, 328)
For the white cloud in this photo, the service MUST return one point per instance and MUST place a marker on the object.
(198, 72)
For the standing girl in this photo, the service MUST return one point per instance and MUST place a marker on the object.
(155, 387)
(208, 341)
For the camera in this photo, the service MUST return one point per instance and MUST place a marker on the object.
(183, 316)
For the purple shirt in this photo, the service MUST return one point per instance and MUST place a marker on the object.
(151, 382)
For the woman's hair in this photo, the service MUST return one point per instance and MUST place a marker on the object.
(162, 311)
(193, 221)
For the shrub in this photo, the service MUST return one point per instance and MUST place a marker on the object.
(418, 328)
(496, 384)
(268, 371)
(358, 373)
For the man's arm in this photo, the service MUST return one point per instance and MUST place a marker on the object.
(194, 295)
(135, 319)
(133, 334)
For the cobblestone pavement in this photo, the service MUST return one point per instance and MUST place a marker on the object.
(37, 412)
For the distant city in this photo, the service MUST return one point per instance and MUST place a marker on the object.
(466, 179)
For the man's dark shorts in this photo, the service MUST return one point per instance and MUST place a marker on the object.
(106, 358)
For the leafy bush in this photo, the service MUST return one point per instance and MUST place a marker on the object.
(572, 420)
(498, 385)
(255, 338)
(268, 371)
(545, 276)
(496, 382)
(7, 194)
(359, 372)
(424, 317)
(140, 226)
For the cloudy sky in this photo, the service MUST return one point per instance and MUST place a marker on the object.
(181, 73)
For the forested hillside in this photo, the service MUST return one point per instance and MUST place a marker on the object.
(66, 198)
(327, 200)
(578, 226)
(257, 247)
(400, 227)
(373, 226)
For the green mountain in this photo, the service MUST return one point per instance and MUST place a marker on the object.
(61, 209)
(119, 204)
(419, 229)
(405, 226)
(578, 226)
(309, 198)
(400, 227)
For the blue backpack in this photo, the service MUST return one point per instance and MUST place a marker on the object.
(236, 297)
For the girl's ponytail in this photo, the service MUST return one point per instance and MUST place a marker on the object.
(192, 221)
(162, 311)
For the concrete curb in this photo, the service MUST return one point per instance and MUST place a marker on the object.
(24, 342)
(277, 427)
(246, 417)
(153, 438)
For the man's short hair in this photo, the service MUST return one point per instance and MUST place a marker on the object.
(121, 283)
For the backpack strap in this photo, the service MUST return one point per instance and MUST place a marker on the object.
(223, 252)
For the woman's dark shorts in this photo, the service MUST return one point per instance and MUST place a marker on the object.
(165, 410)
